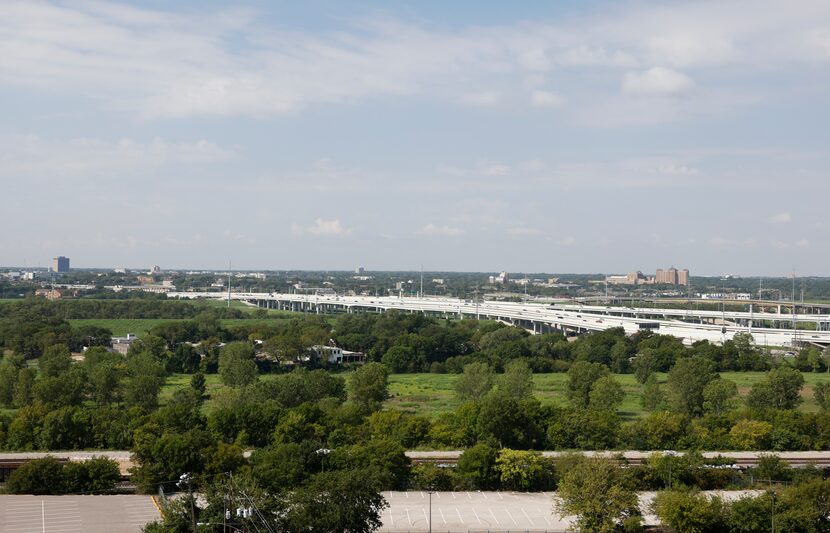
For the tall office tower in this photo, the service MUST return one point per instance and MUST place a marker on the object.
(60, 264)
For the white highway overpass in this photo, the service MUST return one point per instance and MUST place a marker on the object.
(769, 329)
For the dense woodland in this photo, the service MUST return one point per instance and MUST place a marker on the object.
(312, 427)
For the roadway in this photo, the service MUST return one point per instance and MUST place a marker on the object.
(689, 325)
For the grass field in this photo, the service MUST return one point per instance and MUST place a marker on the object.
(121, 326)
(432, 394)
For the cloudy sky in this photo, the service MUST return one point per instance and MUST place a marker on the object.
(466, 135)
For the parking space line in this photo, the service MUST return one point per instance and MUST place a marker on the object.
(477, 518)
(511, 516)
(407, 517)
(459, 515)
(527, 516)
(391, 518)
(494, 517)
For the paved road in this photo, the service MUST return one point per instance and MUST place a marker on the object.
(75, 514)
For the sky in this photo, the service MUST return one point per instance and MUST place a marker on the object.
(561, 136)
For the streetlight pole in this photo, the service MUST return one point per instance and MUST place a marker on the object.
(323, 452)
(430, 511)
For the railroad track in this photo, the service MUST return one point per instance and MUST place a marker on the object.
(636, 458)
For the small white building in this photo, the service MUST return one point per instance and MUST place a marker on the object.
(336, 355)
(122, 344)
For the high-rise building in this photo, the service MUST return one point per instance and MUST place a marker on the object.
(672, 276)
(60, 264)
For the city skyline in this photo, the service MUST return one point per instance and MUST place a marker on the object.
(539, 137)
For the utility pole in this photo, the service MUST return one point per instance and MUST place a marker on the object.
(185, 479)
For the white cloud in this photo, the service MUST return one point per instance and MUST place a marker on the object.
(441, 231)
(321, 227)
(523, 232)
(656, 81)
(162, 64)
(33, 155)
(780, 218)
(673, 169)
(233, 236)
(546, 99)
(492, 168)
(482, 99)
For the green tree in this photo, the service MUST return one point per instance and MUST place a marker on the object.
(67, 389)
(653, 397)
(475, 382)
(55, 361)
(581, 377)
(687, 381)
(523, 470)
(600, 494)
(10, 367)
(369, 385)
(38, 476)
(198, 384)
(476, 467)
(606, 394)
(718, 395)
(780, 390)
(691, 512)
(517, 380)
(509, 421)
(145, 377)
(750, 434)
(821, 391)
(104, 376)
(23, 388)
(334, 501)
(236, 364)
(400, 359)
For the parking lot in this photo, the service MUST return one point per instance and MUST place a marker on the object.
(75, 514)
(471, 511)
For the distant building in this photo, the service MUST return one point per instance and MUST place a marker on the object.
(359, 270)
(49, 294)
(502, 279)
(122, 344)
(155, 271)
(60, 264)
(672, 276)
(335, 355)
(632, 278)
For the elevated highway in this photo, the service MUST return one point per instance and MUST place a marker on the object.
(690, 325)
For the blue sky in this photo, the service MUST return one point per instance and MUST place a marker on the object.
(528, 136)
